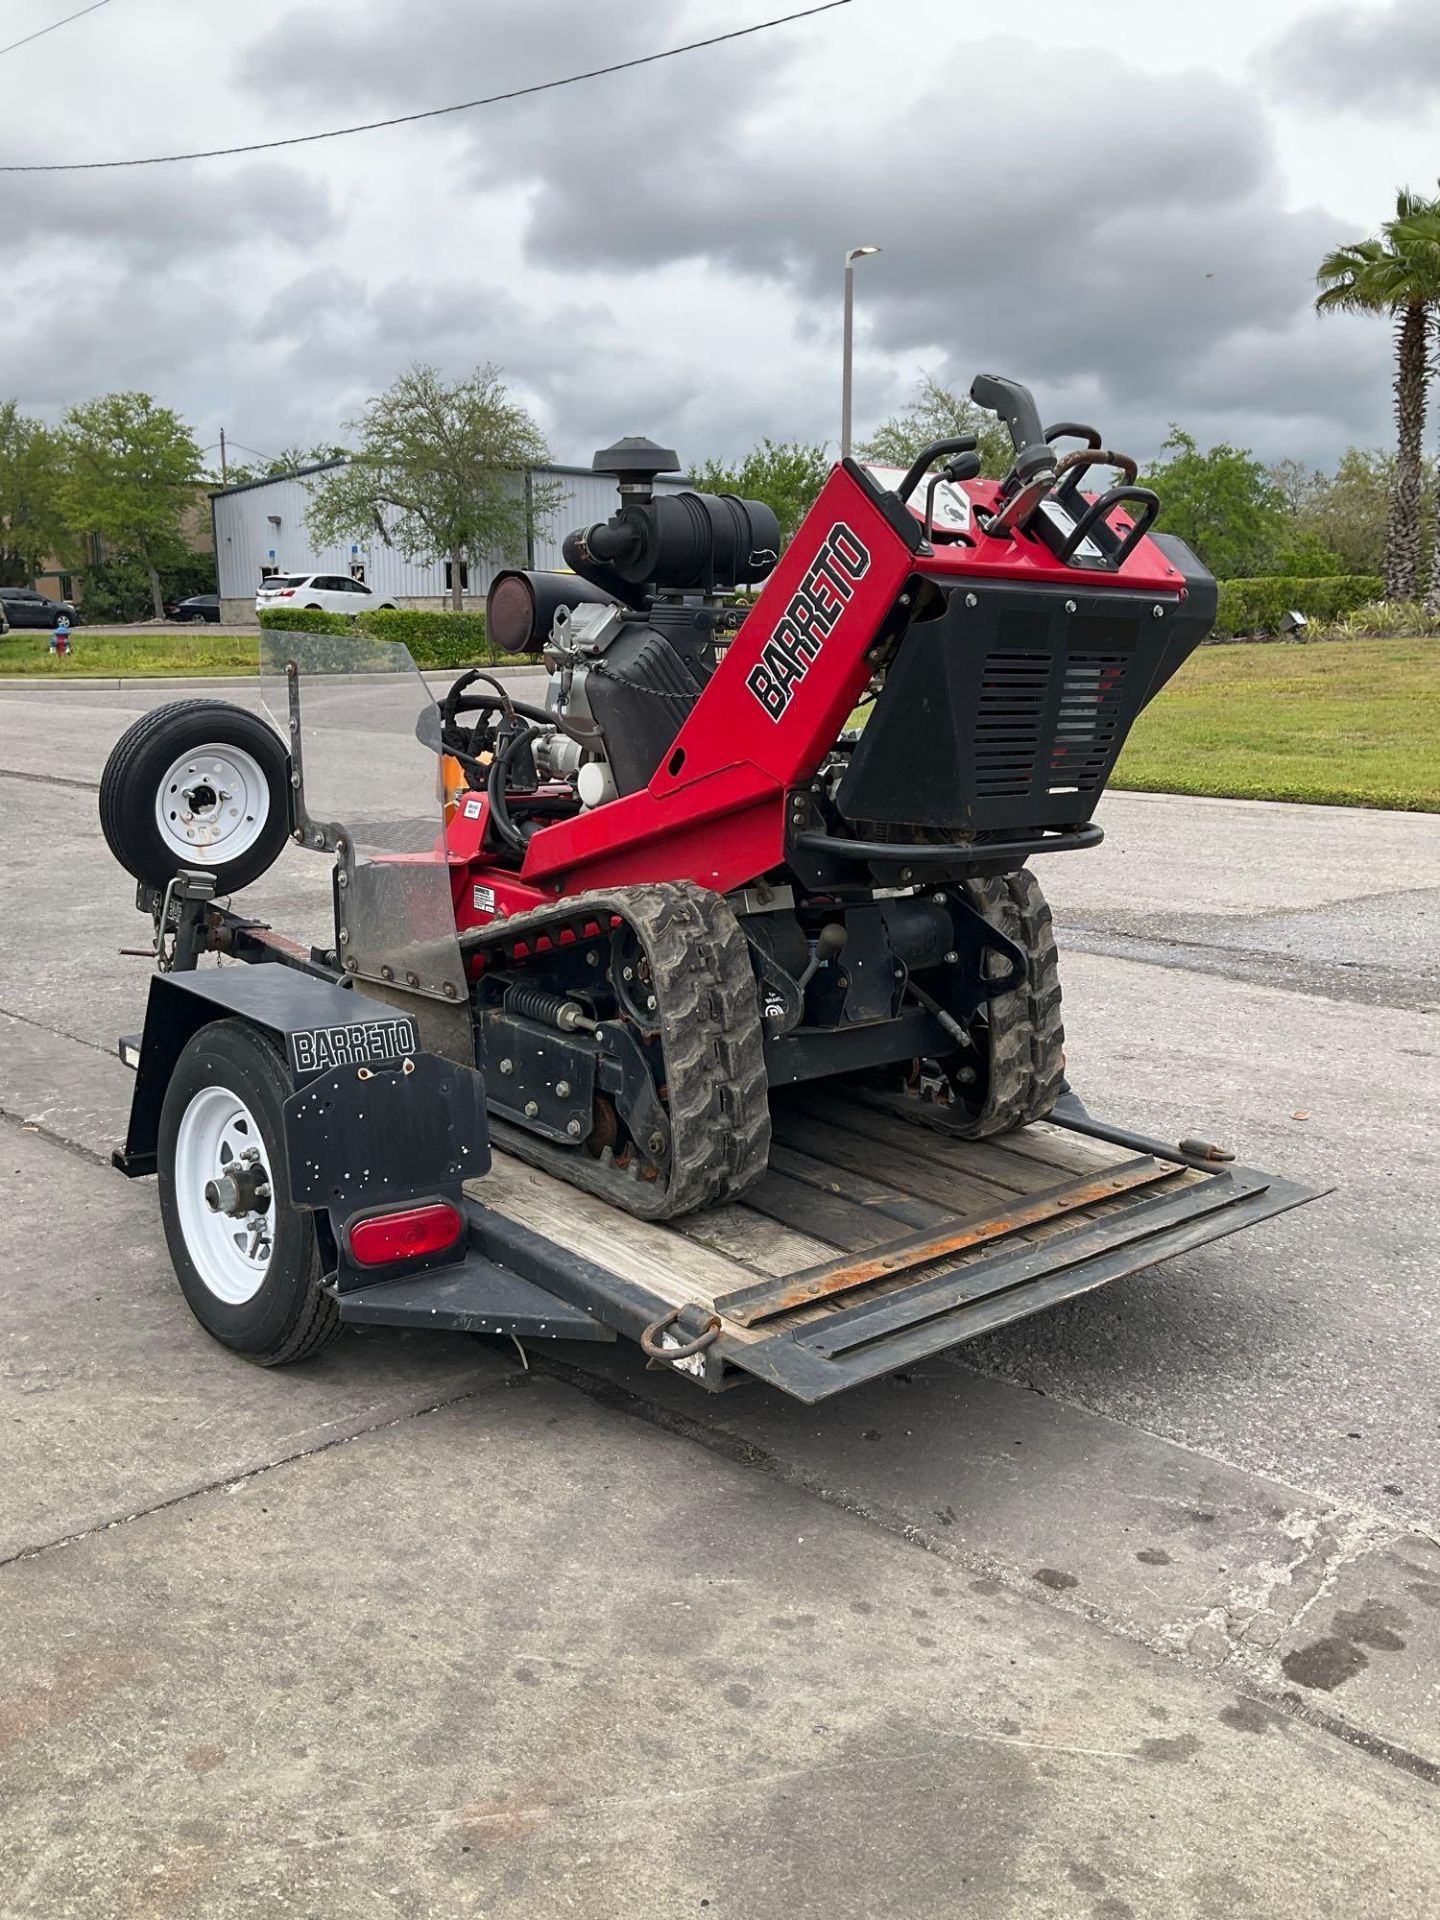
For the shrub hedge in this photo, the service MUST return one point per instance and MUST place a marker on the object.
(1259, 605)
(434, 639)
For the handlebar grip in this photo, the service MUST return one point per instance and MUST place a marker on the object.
(1015, 406)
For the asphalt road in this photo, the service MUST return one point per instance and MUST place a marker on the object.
(1131, 1610)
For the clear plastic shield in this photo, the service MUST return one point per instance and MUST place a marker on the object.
(364, 734)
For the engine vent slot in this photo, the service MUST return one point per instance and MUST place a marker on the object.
(1010, 720)
(1090, 722)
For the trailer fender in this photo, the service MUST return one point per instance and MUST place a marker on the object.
(323, 1029)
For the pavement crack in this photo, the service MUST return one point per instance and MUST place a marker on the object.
(744, 1453)
(24, 1123)
(58, 1033)
(49, 780)
(229, 1482)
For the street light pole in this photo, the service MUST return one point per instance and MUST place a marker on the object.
(847, 351)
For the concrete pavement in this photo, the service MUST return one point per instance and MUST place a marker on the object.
(1130, 1610)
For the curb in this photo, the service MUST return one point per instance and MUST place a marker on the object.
(158, 682)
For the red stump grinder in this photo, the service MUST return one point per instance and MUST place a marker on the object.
(732, 934)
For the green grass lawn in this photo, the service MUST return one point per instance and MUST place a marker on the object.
(163, 650)
(1342, 722)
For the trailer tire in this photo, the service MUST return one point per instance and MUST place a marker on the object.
(230, 1085)
(200, 740)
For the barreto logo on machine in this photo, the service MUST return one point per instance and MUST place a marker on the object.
(814, 609)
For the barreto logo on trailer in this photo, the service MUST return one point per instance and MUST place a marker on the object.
(317, 1049)
(809, 620)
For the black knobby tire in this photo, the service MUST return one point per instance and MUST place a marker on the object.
(1022, 1038)
(708, 1015)
(130, 788)
(291, 1317)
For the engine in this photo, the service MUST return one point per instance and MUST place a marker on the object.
(632, 635)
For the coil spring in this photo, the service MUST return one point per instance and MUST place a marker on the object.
(533, 1003)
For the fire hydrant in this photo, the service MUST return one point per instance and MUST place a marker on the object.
(60, 638)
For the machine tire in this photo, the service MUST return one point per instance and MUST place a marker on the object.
(289, 1316)
(142, 763)
(1024, 1033)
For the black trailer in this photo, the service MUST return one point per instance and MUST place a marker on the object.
(870, 1244)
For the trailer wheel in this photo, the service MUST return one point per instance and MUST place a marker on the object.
(247, 1260)
(196, 783)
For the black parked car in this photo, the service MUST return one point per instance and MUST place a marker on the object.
(199, 606)
(26, 608)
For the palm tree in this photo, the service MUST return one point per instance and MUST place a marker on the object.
(1418, 237)
(1398, 274)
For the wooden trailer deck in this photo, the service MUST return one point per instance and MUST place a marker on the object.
(874, 1239)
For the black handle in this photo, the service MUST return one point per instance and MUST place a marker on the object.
(961, 443)
(1072, 430)
(1100, 510)
(1016, 407)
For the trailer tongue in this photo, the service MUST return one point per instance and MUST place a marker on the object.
(685, 1005)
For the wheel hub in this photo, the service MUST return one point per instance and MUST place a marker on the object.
(212, 805)
(224, 1194)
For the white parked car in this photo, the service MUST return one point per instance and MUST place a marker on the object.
(327, 592)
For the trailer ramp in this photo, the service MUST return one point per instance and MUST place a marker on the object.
(878, 1238)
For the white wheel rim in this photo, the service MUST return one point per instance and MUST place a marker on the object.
(212, 805)
(218, 1137)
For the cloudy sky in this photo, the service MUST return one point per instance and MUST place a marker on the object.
(1121, 205)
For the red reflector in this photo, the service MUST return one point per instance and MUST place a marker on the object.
(387, 1237)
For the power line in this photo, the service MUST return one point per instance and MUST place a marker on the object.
(430, 113)
(55, 26)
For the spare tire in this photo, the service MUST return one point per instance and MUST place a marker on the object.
(197, 783)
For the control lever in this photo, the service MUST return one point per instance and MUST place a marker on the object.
(961, 443)
(829, 943)
(1033, 473)
(964, 466)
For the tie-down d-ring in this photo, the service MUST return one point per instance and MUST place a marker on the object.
(650, 1339)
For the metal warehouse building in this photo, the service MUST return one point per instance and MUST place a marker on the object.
(260, 529)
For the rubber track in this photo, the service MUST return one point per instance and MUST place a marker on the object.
(716, 1088)
(1027, 1037)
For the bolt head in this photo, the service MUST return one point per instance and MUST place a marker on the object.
(951, 957)
(562, 1089)
(592, 959)
(531, 1109)
(574, 1129)
(971, 601)
(507, 1066)
(650, 1002)
(1069, 606)
(1157, 613)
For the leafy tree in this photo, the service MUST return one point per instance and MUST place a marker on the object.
(1303, 554)
(442, 468)
(30, 524)
(119, 588)
(938, 413)
(129, 472)
(1398, 274)
(1349, 508)
(288, 460)
(786, 475)
(1223, 502)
